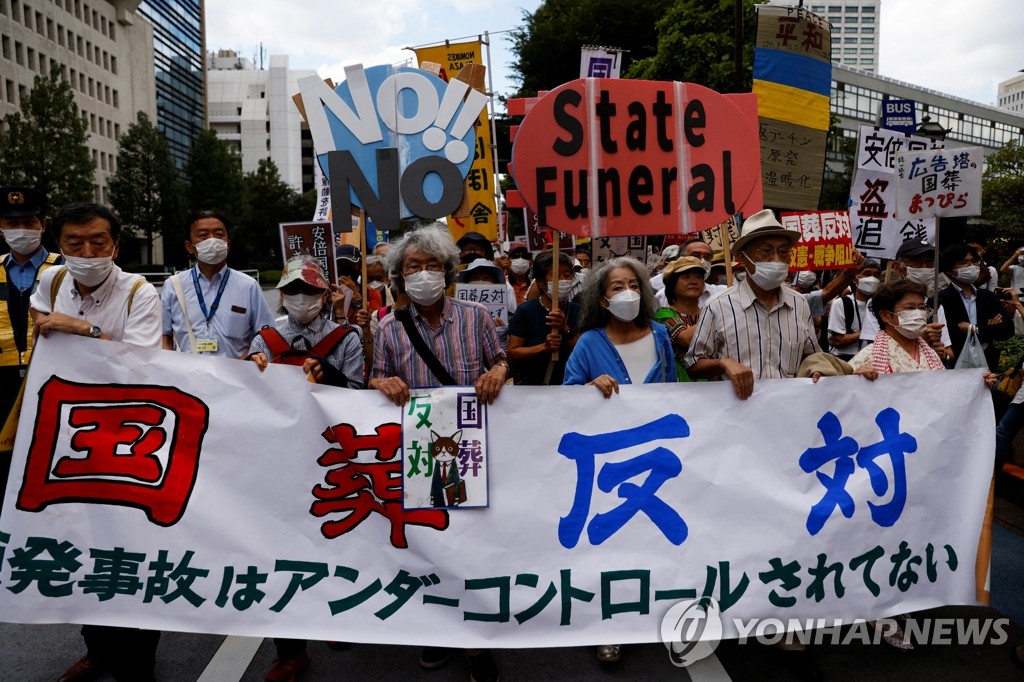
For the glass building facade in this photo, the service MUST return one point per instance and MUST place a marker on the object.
(178, 47)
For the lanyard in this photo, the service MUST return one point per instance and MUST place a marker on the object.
(199, 294)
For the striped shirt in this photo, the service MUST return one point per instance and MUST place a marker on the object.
(772, 343)
(346, 357)
(465, 342)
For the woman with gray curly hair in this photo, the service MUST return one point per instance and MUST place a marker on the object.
(620, 342)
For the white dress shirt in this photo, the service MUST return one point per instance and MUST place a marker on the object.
(107, 306)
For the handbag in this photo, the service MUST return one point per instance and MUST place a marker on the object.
(1010, 381)
(972, 356)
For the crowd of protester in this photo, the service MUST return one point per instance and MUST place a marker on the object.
(615, 322)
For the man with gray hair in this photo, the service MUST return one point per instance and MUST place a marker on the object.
(758, 329)
(436, 341)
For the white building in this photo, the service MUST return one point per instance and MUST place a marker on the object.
(1011, 94)
(253, 110)
(96, 44)
(854, 30)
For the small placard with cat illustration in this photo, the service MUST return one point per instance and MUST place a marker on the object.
(444, 440)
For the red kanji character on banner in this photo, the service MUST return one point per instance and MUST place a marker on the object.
(141, 446)
(359, 489)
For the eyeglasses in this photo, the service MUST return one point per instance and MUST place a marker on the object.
(925, 309)
(763, 254)
(414, 268)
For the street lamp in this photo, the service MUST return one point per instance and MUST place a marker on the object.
(932, 130)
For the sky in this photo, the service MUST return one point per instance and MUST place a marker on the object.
(955, 47)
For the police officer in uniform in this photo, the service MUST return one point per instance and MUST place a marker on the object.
(21, 226)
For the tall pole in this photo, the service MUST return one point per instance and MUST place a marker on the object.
(738, 86)
(494, 140)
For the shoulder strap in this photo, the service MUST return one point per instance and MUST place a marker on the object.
(405, 317)
(55, 286)
(275, 342)
(848, 309)
(180, 294)
(327, 344)
(131, 294)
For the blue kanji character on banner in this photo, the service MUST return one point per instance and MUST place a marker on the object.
(897, 445)
(661, 463)
(837, 448)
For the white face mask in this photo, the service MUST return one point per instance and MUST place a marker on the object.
(921, 275)
(912, 323)
(564, 285)
(378, 285)
(425, 287)
(867, 285)
(770, 274)
(303, 307)
(90, 272)
(520, 266)
(806, 279)
(625, 305)
(211, 251)
(968, 274)
(23, 241)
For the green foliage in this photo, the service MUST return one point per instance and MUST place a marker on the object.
(547, 47)
(268, 201)
(1002, 194)
(214, 172)
(145, 191)
(1011, 351)
(44, 144)
(835, 186)
(696, 44)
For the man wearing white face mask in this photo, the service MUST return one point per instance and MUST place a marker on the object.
(967, 306)
(212, 309)
(758, 329)
(91, 296)
(436, 341)
(851, 315)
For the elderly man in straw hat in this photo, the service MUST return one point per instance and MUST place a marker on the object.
(758, 329)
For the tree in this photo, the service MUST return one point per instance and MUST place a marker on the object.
(214, 172)
(836, 183)
(547, 47)
(145, 190)
(1002, 193)
(269, 201)
(696, 44)
(44, 144)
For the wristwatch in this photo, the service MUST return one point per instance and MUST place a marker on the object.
(95, 332)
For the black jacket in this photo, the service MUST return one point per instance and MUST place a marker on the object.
(988, 306)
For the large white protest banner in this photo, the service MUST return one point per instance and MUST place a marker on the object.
(163, 490)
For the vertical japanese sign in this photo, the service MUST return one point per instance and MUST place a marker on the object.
(600, 62)
(792, 81)
(877, 231)
(939, 182)
(315, 240)
(494, 297)
(476, 213)
(444, 441)
(826, 242)
(538, 235)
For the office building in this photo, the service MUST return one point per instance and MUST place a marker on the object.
(1010, 94)
(253, 110)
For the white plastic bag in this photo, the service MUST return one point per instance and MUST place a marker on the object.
(973, 355)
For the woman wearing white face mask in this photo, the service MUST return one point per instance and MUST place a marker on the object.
(620, 342)
(327, 352)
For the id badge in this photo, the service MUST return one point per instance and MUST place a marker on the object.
(206, 345)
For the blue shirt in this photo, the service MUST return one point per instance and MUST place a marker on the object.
(595, 355)
(23, 275)
(241, 313)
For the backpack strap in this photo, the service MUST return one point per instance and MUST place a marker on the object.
(131, 294)
(849, 312)
(55, 286)
(323, 348)
(275, 342)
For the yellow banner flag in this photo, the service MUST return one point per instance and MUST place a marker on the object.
(477, 213)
